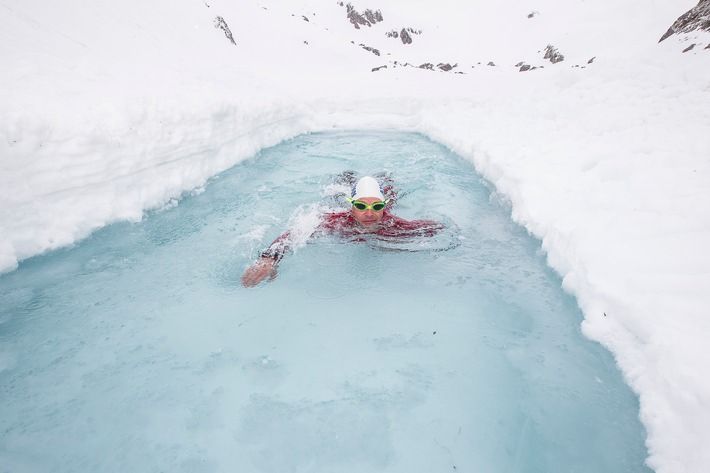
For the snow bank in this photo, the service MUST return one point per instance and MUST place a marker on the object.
(62, 183)
(108, 110)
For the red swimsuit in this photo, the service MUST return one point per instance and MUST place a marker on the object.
(344, 224)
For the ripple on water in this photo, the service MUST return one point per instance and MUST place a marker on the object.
(455, 353)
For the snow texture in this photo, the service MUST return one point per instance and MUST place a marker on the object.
(108, 109)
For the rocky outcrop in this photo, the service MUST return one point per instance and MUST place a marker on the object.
(220, 24)
(553, 54)
(695, 19)
(374, 51)
(442, 66)
(405, 34)
(366, 18)
(525, 67)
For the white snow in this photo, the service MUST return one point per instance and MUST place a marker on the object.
(111, 108)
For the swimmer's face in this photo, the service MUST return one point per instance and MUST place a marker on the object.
(368, 217)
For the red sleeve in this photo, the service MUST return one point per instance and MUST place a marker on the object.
(278, 248)
(336, 220)
(281, 245)
(417, 227)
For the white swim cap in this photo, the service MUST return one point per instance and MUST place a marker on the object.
(367, 187)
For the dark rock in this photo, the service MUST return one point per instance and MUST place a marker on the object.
(697, 18)
(373, 17)
(427, 65)
(305, 18)
(524, 67)
(405, 34)
(491, 63)
(371, 49)
(667, 34)
(553, 54)
(689, 48)
(591, 60)
(707, 47)
(445, 67)
(375, 69)
(367, 18)
(220, 24)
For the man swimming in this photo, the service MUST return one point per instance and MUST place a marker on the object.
(368, 216)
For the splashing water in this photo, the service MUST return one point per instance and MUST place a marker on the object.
(138, 350)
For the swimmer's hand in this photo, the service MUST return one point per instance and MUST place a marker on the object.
(259, 271)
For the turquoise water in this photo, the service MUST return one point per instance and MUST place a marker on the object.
(138, 349)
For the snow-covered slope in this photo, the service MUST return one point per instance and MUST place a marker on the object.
(108, 109)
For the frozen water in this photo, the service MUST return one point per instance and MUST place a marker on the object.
(138, 350)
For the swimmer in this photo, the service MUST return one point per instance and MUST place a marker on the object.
(368, 215)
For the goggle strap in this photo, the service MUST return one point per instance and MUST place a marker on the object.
(386, 201)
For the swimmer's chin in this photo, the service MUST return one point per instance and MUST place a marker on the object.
(370, 226)
(372, 223)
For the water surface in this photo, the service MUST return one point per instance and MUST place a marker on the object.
(138, 350)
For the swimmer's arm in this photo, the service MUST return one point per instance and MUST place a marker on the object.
(264, 267)
(420, 227)
(267, 264)
(430, 227)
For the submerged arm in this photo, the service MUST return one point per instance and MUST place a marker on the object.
(425, 228)
(267, 264)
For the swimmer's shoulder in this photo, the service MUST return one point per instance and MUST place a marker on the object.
(427, 226)
(335, 219)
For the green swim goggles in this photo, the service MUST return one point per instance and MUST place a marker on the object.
(362, 206)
